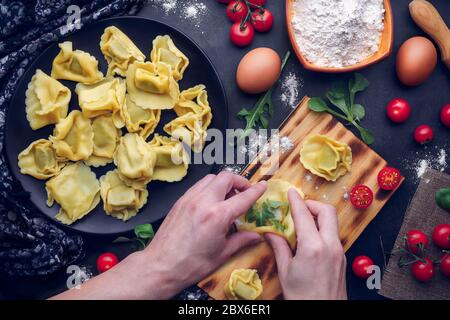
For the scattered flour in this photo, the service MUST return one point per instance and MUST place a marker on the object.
(290, 89)
(191, 10)
(436, 159)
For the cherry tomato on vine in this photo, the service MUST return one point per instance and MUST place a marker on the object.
(423, 134)
(224, 1)
(441, 236)
(398, 110)
(416, 239)
(256, 3)
(423, 270)
(361, 196)
(242, 35)
(106, 261)
(237, 11)
(360, 266)
(445, 115)
(389, 178)
(262, 20)
(444, 264)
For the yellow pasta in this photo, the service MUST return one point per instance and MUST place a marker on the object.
(139, 120)
(244, 284)
(164, 50)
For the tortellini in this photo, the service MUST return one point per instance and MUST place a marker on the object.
(244, 284)
(139, 120)
(171, 159)
(39, 160)
(164, 50)
(120, 200)
(46, 101)
(119, 51)
(271, 213)
(73, 137)
(135, 161)
(75, 65)
(76, 190)
(152, 86)
(195, 100)
(107, 96)
(106, 137)
(326, 157)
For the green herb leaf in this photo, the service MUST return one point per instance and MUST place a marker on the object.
(317, 104)
(366, 135)
(144, 231)
(277, 224)
(358, 112)
(357, 84)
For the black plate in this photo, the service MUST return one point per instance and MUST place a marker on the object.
(161, 195)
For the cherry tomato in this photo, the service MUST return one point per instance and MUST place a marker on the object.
(262, 20)
(224, 1)
(441, 236)
(243, 35)
(236, 11)
(415, 239)
(445, 115)
(445, 265)
(398, 110)
(256, 3)
(360, 266)
(389, 178)
(423, 270)
(423, 134)
(106, 261)
(361, 196)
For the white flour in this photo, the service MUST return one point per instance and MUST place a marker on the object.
(290, 89)
(431, 158)
(338, 33)
(192, 11)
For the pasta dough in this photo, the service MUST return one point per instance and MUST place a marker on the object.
(195, 100)
(164, 50)
(119, 200)
(326, 157)
(135, 161)
(46, 100)
(244, 284)
(279, 221)
(152, 86)
(75, 65)
(106, 137)
(119, 51)
(171, 159)
(139, 120)
(73, 137)
(39, 160)
(76, 190)
(104, 97)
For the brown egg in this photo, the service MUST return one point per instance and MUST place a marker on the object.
(416, 61)
(258, 70)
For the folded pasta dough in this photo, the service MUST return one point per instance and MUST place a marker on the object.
(171, 159)
(104, 97)
(39, 160)
(120, 200)
(139, 120)
(135, 161)
(164, 50)
(106, 137)
(326, 157)
(195, 100)
(76, 189)
(189, 129)
(119, 51)
(271, 213)
(152, 86)
(244, 284)
(73, 137)
(75, 65)
(46, 100)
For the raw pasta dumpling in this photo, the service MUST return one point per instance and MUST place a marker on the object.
(46, 100)
(76, 190)
(171, 159)
(120, 200)
(152, 86)
(75, 65)
(326, 157)
(244, 284)
(135, 161)
(106, 137)
(195, 100)
(104, 97)
(39, 160)
(164, 50)
(272, 213)
(119, 51)
(73, 137)
(139, 120)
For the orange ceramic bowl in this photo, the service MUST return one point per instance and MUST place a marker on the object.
(384, 51)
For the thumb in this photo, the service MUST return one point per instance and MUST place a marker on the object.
(282, 251)
(239, 240)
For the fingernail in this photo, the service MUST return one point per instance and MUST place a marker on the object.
(263, 183)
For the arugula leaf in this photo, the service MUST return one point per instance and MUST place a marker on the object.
(357, 84)
(144, 231)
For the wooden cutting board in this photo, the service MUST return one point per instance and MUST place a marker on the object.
(366, 164)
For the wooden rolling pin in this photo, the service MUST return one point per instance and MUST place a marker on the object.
(429, 20)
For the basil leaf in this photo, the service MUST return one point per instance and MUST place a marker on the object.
(358, 111)
(317, 104)
(144, 231)
(357, 84)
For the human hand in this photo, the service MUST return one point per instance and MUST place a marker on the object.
(317, 271)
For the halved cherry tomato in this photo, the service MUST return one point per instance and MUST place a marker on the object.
(360, 266)
(445, 115)
(256, 3)
(262, 20)
(398, 110)
(416, 239)
(444, 264)
(242, 35)
(389, 178)
(423, 270)
(423, 134)
(236, 11)
(441, 236)
(361, 196)
(106, 261)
